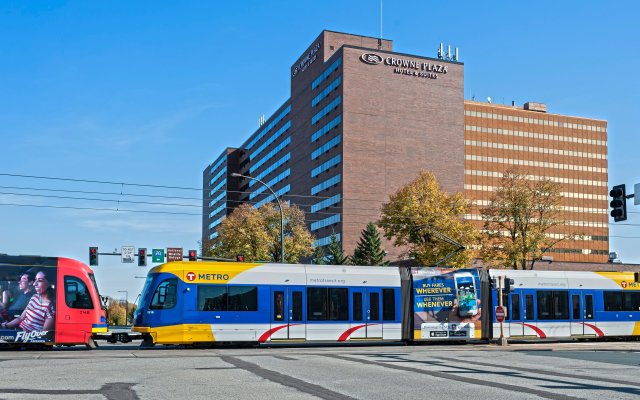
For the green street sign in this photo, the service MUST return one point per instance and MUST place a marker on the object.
(157, 255)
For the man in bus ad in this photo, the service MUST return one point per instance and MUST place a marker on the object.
(27, 310)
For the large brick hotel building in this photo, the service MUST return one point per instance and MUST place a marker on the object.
(362, 120)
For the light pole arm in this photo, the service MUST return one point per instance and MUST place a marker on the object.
(235, 174)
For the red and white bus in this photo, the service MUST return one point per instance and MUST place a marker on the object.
(48, 301)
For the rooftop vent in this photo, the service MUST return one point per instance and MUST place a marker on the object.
(538, 107)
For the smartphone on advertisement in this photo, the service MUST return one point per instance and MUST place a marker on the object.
(466, 294)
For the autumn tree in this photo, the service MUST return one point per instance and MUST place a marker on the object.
(318, 257)
(517, 222)
(255, 233)
(369, 251)
(335, 255)
(419, 210)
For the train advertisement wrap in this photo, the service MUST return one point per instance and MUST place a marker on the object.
(446, 304)
(27, 303)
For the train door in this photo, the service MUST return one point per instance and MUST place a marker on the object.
(529, 325)
(287, 313)
(515, 315)
(358, 322)
(373, 315)
(582, 313)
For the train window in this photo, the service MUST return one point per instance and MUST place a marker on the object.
(588, 305)
(613, 301)
(278, 305)
(296, 309)
(76, 293)
(622, 301)
(243, 298)
(632, 301)
(165, 296)
(575, 306)
(553, 304)
(388, 305)
(528, 314)
(339, 304)
(212, 298)
(515, 306)
(505, 303)
(316, 304)
(357, 306)
(374, 306)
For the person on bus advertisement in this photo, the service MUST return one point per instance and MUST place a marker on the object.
(25, 291)
(39, 314)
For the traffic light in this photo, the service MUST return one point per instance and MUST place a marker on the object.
(618, 203)
(142, 257)
(193, 255)
(93, 256)
(240, 258)
(508, 285)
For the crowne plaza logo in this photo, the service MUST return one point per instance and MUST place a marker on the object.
(371, 58)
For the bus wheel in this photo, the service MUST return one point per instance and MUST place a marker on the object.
(91, 344)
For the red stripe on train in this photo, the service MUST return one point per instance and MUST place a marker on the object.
(271, 331)
(345, 335)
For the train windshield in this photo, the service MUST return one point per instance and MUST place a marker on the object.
(145, 290)
(95, 284)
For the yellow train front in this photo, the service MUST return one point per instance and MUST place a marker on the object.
(196, 302)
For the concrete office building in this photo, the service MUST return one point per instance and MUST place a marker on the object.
(362, 120)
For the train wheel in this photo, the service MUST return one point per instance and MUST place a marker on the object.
(91, 344)
(147, 342)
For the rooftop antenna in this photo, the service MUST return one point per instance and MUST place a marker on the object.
(380, 39)
(441, 51)
(261, 120)
(489, 100)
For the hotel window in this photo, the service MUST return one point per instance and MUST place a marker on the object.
(334, 66)
(272, 139)
(325, 203)
(269, 198)
(285, 174)
(326, 91)
(326, 165)
(326, 110)
(271, 168)
(268, 127)
(326, 147)
(326, 184)
(334, 219)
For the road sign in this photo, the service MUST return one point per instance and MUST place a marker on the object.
(128, 254)
(157, 255)
(500, 314)
(174, 254)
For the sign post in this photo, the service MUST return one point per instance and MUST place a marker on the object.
(128, 254)
(174, 254)
(157, 255)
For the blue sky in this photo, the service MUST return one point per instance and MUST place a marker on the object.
(151, 92)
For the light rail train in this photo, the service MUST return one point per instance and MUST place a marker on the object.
(209, 302)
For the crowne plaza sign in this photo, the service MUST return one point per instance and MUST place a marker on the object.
(403, 66)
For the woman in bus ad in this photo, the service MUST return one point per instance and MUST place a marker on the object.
(31, 316)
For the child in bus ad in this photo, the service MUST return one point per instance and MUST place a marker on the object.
(30, 315)
(446, 303)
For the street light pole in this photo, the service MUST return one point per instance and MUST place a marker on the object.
(236, 175)
(126, 305)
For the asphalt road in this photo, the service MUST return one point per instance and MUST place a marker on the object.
(522, 371)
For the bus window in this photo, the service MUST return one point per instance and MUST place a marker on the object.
(357, 306)
(296, 308)
(515, 306)
(528, 315)
(278, 305)
(165, 295)
(388, 305)
(76, 293)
